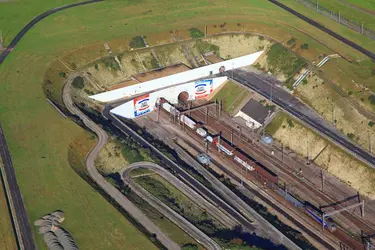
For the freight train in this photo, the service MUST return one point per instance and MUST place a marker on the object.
(219, 142)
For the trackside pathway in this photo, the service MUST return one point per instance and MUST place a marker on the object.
(94, 174)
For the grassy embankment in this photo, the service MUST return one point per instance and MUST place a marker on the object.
(301, 140)
(231, 95)
(7, 236)
(43, 132)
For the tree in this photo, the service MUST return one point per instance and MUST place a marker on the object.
(78, 82)
(189, 246)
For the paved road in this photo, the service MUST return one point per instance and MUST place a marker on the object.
(115, 194)
(173, 216)
(20, 220)
(265, 85)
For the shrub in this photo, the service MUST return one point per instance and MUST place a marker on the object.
(291, 41)
(372, 99)
(350, 135)
(196, 33)
(290, 123)
(137, 42)
(78, 82)
(370, 123)
(304, 46)
(350, 92)
(204, 47)
(62, 74)
(111, 63)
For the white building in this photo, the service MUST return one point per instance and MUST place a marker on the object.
(254, 114)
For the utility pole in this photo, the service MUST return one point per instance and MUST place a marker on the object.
(218, 142)
(370, 141)
(317, 6)
(206, 146)
(158, 113)
(282, 152)
(1, 40)
(362, 28)
(231, 137)
(252, 131)
(205, 33)
(232, 69)
(322, 176)
(206, 115)
(271, 93)
(339, 17)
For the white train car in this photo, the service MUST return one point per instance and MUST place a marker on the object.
(188, 121)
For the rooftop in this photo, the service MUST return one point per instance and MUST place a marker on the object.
(255, 110)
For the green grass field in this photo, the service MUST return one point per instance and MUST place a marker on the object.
(365, 4)
(349, 12)
(39, 137)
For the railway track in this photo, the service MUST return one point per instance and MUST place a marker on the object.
(306, 188)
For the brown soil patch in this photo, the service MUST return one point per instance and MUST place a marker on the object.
(123, 84)
(213, 58)
(170, 70)
(159, 39)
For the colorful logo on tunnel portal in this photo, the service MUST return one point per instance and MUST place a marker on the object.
(141, 105)
(203, 88)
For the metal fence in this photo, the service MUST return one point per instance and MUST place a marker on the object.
(354, 25)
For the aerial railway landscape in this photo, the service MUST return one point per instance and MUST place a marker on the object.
(227, 130)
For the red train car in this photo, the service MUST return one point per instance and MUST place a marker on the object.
(265, 174)
(244, 161)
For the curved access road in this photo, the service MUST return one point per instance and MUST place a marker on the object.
(115, 194)
(173, 216)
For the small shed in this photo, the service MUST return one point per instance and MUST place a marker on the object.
(254, 113)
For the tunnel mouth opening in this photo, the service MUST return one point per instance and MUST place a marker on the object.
(183, 98)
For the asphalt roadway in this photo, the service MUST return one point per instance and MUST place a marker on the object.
(21, 223)
(94, 174)
(268, 87)
(173, 216)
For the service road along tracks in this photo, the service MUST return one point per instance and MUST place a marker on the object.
(173, 216)
(94, 174)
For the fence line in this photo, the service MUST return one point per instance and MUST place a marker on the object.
(336, 16)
